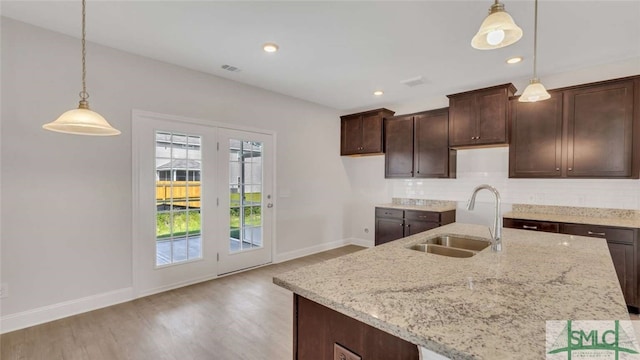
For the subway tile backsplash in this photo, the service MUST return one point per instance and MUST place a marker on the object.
(490, 166)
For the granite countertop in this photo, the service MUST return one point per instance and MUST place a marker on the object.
(490, 306)
(422, 205)
(576, 215)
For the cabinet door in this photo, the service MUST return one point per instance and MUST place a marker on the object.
(536, 138)
(431, 153)
(388, 230)
(371, 133)
(492, 116)
(398, 159)
(351, 137)
(462, 120)
(623, 261)
(413, 227)
(599, 130)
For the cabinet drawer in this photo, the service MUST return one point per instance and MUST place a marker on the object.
(389, 213)
(532, 225)
(617, 235)
(422, 215)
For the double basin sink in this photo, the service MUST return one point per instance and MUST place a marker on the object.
(452, 245)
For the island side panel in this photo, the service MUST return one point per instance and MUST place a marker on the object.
(316, 328)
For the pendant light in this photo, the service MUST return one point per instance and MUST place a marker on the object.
(535, 91)
(497, 30)
(82, 121)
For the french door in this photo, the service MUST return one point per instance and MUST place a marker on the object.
(245, 161)
(202, 198)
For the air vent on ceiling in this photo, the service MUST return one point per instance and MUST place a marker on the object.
(231, 68)
(419, 80)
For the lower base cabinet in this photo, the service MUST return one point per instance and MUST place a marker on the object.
(393, 224)
(317, 329)
(623, 247)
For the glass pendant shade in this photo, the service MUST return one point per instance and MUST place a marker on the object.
(497, 30)
(535, 91)
(82, 121)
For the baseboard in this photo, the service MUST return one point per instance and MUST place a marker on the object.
(159, 289)
(360, 242)
(61, 310)
(290, 255)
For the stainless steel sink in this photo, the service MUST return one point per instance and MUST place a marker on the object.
(452, 245)
(456, 241)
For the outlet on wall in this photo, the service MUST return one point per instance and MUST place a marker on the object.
(4, 290)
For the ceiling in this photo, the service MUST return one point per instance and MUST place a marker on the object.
(337, 53)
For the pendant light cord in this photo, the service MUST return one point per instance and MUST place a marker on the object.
(84, 95)
(535, 40)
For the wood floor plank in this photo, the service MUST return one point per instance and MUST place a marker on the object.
(240, 316)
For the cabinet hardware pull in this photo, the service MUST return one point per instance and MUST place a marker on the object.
(529, 227)
(557, 169)
(570, 169)
(596, 233)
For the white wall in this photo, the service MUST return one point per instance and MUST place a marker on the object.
(67, 207)
(490, 166)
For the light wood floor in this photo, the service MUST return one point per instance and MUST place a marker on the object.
(241, 316)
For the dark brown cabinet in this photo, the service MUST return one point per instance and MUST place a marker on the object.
(398, 138)
(393, 224)
(362, 133)
(317, 329)
(535, 149)
(600, 124)
(622, 246)
(586, 131)
(479, 117)
(531, 225)
(389, 225)
(622, 243)
(417, 145)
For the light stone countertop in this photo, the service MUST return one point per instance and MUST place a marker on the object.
(490, 306)
(436, 207)
(576, 215)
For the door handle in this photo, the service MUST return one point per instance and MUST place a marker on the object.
(596, 233)
(269, 205)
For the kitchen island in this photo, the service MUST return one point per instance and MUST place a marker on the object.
(489, 306)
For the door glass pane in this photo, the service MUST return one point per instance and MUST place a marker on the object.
(245, 195)
(178, 175)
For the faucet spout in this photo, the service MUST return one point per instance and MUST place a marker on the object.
(496, 234)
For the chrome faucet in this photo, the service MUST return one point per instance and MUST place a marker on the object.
(496, 235)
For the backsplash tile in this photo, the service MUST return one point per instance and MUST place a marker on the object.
(490, 166)
(422, 202)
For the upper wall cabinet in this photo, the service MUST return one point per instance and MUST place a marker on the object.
(361, 133)
(479, 117)
(586, 131)
(600, 130)
(535, 149)
(416, 145)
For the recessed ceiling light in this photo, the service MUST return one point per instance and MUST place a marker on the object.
(270, 47)
(514, 60)
(378, 93)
